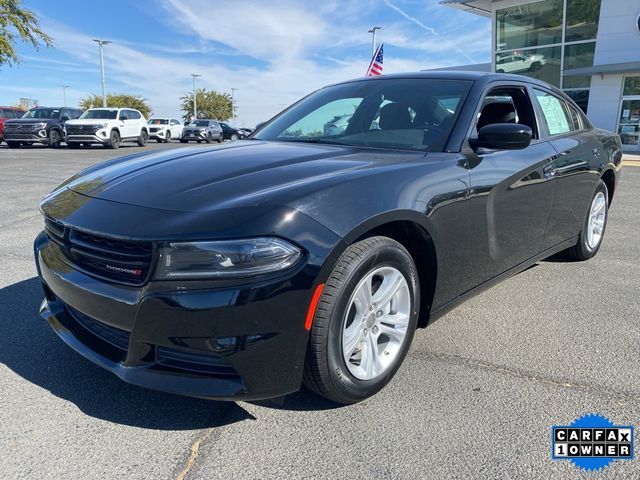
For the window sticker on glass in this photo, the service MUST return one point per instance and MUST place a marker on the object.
(554, 113)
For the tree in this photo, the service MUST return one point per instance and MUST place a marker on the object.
(210, 103)
(23, 23)
(117, 101)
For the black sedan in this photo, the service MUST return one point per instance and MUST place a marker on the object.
(242, 271)
(231, 133)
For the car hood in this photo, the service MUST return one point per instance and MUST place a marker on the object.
(89, 121)
(30, 120)
(240, 174)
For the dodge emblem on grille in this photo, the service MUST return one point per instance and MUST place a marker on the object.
(131, 271)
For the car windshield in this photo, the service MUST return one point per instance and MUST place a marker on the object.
(199, 123)
(102, 113)
(413, 114)
(45, 113)
(158, 121)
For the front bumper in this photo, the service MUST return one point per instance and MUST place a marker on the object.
(86, 139)
(33, 137)
(227, 343)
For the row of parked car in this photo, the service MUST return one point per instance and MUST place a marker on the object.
(106, 126)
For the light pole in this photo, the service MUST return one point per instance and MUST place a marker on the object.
(195, 107)
(373, 32)
(233, 106)
(64, 94)
(101, 43)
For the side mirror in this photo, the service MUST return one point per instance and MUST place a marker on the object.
(122, 118)
(260, 125)
(64, 118)
(502, 136)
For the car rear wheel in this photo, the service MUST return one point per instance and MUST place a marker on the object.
(594, 226)
(234, 137)
(55, 138)
(114, 139)
(142, 139)
(364, 321)
(13, 144)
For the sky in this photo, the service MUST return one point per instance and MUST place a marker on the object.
(274, 52)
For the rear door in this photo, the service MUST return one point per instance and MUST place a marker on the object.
(511, 197)
(575, 167)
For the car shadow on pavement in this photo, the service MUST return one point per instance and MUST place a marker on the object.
(29, 348)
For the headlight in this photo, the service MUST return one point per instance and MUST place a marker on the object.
(102, 125)
(40, 125)
(225, 259)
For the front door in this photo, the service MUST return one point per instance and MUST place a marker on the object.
(629, 124)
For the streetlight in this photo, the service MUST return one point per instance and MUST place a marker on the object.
(64, 94)
(373, 32)
(101, 43)
(233, 106)
(195, 108)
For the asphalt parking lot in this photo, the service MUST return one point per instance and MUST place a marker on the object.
(476, 397)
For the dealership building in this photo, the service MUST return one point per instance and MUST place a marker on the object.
(588, 48)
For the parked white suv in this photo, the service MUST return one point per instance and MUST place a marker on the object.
(164, 129)
(107, 126)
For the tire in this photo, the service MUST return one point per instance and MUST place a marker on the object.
(588, 242)
(142, 139)
(499, 71)
(234, 137)
(13, 144)
(73, 145)
(159, 140)
(184, 141)
(114, 140)
(199, 141)
(167, 137)
(55, 138)
(535, 66)
(209, 139)
(327, 370)
(220, 139)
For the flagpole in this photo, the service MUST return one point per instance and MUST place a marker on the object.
(373, 32)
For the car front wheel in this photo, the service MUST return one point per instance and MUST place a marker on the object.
(55, 138)
(142, 139)
(114, 139)
(593, 228)
(167, 137)
(364, 321)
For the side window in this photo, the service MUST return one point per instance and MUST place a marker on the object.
(507, 105)
(123, 115)
(75, 114)
(555, 113)
(133, 115)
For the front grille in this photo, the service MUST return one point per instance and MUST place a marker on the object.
(154, 129)
(19, 127)
(194, 361)
(115, 336)
(122, 261)
(82, 129)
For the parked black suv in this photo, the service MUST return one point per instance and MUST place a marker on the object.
(39, 125)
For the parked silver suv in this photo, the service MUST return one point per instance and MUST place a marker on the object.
(202, 131)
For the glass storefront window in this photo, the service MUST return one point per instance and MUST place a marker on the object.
(579, 55)
(538, 23)
(542, 63)
(581, 97)
(582, 81)
(582, 20)
(631, 86)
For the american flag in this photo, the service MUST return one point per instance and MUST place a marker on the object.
(375, 67)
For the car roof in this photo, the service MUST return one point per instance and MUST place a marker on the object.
(484, 77)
